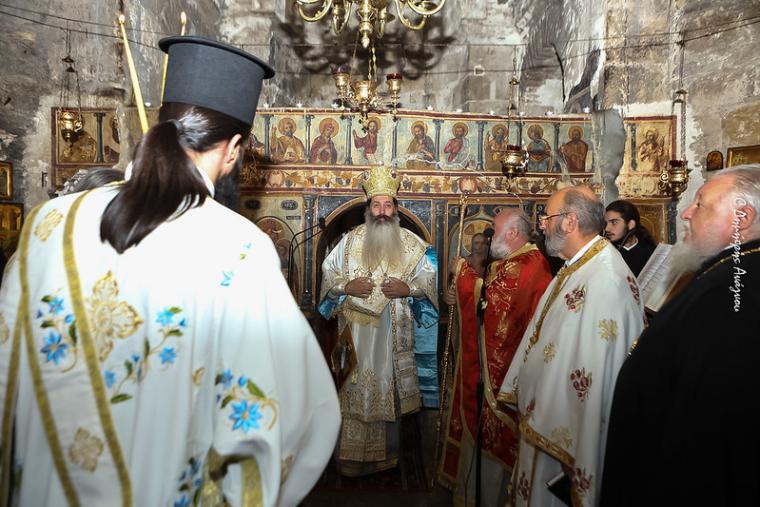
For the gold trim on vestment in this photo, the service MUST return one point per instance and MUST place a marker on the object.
(545, 444)
(90, 354)
(562, 277)
(253, 496)
(46, 414)
(730, 257)
(6, 466)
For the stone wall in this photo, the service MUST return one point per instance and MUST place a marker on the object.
(30, 84)
(616, 55)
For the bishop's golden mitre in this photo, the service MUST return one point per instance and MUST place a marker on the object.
(381, 181)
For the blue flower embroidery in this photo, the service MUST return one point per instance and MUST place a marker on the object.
(39, 314)
(165, 318)
(54, 349)
(226, 278)
(183, 323)
(242, 381)
(69, 319)
(168, 355)
(226, 379)
(110, 378)
(135, 358)
(246, 417)
(182, 502)
(56, 305)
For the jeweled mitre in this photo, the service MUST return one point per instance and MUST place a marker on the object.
(381, 181)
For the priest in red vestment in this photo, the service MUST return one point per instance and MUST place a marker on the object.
(514, 285)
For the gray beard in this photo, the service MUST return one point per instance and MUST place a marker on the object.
(555, 242)
(499, 250)
(382, 241)
(687, 258)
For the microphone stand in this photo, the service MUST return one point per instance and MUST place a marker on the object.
(320, 227)
(479, 392)
(293, 246)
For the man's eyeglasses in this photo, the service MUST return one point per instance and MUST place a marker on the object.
(542, 219)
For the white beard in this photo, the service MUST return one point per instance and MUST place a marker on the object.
(382, 242)
(499, 249)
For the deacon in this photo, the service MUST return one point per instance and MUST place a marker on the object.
(623, 228)
(563, 374)
(378, 280)
(514, 285)
(138, 365)
(683, 428)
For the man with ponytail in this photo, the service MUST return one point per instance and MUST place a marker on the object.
(138, 364)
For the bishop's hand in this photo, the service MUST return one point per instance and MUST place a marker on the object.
(360, 287)
(395, 288)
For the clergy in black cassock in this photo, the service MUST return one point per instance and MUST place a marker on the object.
(685, 425)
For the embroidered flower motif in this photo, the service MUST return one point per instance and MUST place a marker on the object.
(530, 409)
(247, 399)
(5, 333)
(608, 330)
(562, 436)
(634, 288)
(582, 482)
(56, 305)
(168, 355)
(110, 318)
(581, 383)
(226, 278)
(110, 378)
(138, 366)
(246, 416)
(550, 351)
(189, 484)
(574, 299)
(63, 331)
(46, 226)
(523, 487)
(54, 349)
(226, 378)
(85, 450)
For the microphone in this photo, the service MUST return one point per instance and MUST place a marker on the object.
(321, 224)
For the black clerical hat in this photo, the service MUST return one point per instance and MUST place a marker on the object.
(211, 74)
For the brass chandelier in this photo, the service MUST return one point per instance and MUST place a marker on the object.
(372, 14)
(361, 95)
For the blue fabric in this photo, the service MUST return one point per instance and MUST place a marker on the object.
(423, 310)
(328, 305)
(426, 355)
(426, 342)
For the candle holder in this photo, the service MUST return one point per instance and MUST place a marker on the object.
(675, 179)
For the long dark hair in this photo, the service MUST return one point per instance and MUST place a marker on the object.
(628, 211)
(165, 183)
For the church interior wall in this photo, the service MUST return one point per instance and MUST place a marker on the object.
(616, 56)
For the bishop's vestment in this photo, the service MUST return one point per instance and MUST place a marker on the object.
(383, 385)
(563, 374)
(176, 373)
(513, 288)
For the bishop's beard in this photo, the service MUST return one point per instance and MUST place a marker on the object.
(382, 241)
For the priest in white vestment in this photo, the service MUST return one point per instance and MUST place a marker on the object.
(380, 281)
(563, 374)
(174, 369)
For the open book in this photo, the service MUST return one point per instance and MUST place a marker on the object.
(657, 280)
